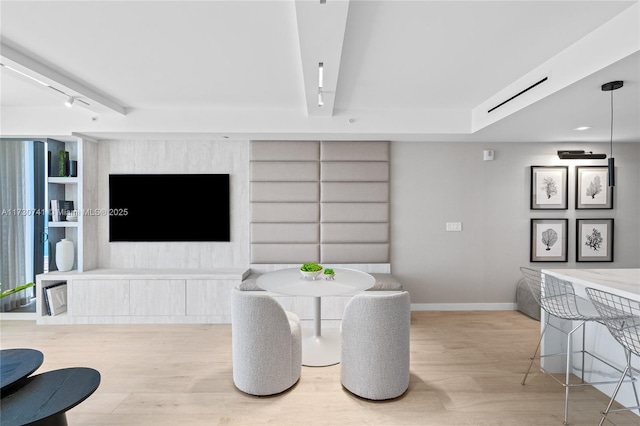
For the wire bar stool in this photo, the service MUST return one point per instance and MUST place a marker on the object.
(558, 299)
(622, 318)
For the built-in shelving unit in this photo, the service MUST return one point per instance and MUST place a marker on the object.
(64, 188)
(68, 188)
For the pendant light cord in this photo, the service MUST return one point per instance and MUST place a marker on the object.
(611, 132)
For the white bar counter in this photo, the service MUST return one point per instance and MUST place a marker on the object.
(623, 282)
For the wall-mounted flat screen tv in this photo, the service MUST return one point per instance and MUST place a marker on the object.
(169, 207)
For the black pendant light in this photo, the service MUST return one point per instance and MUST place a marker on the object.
(610, 87)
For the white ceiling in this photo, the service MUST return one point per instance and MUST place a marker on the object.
(396, 70)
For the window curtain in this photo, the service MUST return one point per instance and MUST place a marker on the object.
(13, 197)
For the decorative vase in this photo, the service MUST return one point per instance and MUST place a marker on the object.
(64, 255)
(310, 275)
(63, 156)
(72, 216)
(72, 168)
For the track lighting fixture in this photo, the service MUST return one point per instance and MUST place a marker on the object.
(69, 102)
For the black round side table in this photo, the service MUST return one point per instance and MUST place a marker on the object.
(16, 365)
(43, 399)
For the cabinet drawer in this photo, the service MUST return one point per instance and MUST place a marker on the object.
(99, 297)
(209, 297)
(157, 297)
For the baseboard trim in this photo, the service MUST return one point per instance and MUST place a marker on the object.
(463, 307)
(14, 316)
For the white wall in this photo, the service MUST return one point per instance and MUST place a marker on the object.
(435, 183)
(177, 156)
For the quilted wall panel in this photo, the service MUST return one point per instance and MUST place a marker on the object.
(323, 201)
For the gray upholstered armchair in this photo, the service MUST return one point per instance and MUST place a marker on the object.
(375, 345)
(266, 344)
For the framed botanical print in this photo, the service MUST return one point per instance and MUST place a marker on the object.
(549, 187)
(549, 240)
(592, 188)
(594, 240)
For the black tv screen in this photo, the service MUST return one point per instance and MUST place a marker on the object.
(169, 207)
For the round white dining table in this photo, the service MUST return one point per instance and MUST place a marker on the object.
(319, 348)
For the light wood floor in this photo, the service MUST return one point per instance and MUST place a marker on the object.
(466, 369)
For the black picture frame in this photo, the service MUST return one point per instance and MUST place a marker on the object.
(549, 188)
(592, 189)
(594, 240)
(549, 240)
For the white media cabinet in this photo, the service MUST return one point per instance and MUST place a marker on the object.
(128, 296)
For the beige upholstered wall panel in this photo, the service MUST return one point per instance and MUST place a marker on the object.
(355, 171)
(274, 171)
(285, 253)
(354, 233)
(285, 151)
(319, 201)
(285, 232)
(285, 191)
(285, 212)
(354, 212)
(354, 151)
(354, 253)
(285, 196)
(372, 192)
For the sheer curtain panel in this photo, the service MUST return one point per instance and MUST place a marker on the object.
(13, 196)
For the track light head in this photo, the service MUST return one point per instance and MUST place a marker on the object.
(69, 102)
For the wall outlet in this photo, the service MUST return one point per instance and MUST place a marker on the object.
(454, 226)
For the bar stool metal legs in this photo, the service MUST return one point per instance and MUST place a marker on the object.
(622, 318)
(558, 299)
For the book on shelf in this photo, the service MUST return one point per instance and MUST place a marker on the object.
(60, 209)
(55, 298)
(67, 206)
(55, 211)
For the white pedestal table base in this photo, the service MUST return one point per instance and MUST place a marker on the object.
(319, 347)
(321, 351)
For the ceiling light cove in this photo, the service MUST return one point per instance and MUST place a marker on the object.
(321, 31)
(23, 74)
(320, 83)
